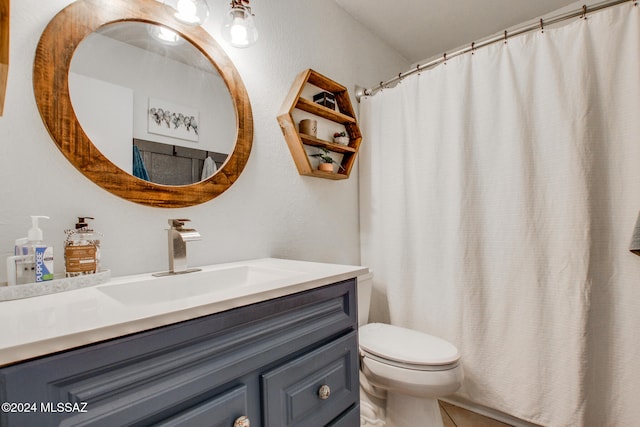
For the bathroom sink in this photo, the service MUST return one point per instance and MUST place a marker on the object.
(154, 290)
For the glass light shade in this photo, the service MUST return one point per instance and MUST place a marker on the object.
(192, 12)
(239, 29)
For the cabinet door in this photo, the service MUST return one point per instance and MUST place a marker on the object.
(292, 392)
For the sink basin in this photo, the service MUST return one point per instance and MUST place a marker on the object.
(154, 290)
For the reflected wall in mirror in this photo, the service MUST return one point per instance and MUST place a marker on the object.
(89, 101)
(4, 50)
(134, 80)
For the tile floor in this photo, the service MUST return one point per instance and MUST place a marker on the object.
(453, 416)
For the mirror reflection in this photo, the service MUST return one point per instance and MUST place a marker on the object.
(152, 103)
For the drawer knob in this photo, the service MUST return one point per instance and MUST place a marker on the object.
(242, 421)
(324, 392)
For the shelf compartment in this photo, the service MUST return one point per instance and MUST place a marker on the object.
(324, 112)
(331, 146)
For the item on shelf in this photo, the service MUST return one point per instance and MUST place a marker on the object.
(326, 99)
(81, 250)
(326, 167)
(309, 127)
(326, 161)
(341, 138)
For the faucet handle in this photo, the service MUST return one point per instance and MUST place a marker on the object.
(177, 223)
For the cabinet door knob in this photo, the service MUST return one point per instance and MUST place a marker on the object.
(242, 421)
(324, 392)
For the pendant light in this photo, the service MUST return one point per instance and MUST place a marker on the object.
(238, 28)
(192, 12)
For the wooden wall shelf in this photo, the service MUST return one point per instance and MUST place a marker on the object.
(344, 116)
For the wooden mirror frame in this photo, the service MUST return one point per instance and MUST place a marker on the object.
(50, 79)
(4, 50)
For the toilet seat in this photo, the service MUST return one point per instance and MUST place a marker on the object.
(409, 366)
(406, 348)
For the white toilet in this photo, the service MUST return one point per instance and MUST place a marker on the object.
(403, 372)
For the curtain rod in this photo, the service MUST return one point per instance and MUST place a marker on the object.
(582, 13)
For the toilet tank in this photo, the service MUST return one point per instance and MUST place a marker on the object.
(364, 289)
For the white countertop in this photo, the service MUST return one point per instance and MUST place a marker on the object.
(37, 326)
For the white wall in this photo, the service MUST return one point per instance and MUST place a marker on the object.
(150, 75)
(269, 211)
(109, 122)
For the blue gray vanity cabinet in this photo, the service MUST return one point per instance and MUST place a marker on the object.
(266, 361)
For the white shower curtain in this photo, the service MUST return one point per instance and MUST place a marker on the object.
(498, 197)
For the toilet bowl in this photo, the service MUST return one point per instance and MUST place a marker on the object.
(402, 371)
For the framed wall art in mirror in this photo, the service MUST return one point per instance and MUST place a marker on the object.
(70, 96)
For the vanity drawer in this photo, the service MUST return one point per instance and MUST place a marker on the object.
(291, 392)
(221, 411)
(350, 418)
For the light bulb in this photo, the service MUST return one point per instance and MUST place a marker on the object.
(168, 35)
(239, 29)
(192, 12)
(238, 33)
(187, 10)
(164, 35)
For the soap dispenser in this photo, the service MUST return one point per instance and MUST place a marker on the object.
(33, 259)
(43, 254)
(82, 249)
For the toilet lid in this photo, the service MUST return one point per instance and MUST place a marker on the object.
(403, 345)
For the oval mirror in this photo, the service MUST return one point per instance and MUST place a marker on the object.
(142, 91)
(169, 125)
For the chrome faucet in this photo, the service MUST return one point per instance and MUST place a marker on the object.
(178, 238)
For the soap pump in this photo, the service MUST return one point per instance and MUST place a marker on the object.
(35, 234)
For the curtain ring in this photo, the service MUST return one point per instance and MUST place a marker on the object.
(584, 11)
(473, 47)
(541, 25)
(444, 56)
(505, 36)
